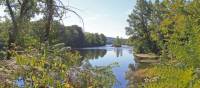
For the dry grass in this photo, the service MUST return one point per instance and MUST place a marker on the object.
(7, 68)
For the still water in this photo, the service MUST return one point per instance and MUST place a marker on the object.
(106, 55)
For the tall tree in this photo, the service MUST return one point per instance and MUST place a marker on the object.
(49, 18)
(18, 16)
(139, 29)
(103, 39)
(117, 42)
(13, 30)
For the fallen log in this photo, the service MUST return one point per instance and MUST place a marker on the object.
(146, 56)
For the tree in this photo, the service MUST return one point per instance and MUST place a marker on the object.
(117, 42)
(174, 26)
(139, 28)
(25, 7)
(95, 39)
(77, 38)
(103, 39)
(49, 18)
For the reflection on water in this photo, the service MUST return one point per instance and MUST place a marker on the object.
(118, 51)
(104, 56)
(92, 53)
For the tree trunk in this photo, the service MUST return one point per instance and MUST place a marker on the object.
(49, 19)
(12, 31)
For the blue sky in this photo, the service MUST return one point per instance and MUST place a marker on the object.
(100, 16)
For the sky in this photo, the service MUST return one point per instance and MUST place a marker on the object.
(99, 16)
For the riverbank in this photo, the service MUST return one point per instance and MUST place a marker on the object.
(142, 74)
(147, 58)
(165, 74)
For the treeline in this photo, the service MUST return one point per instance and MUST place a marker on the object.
(95, 39)
(72, 36)
(169, 28)
(122, 41)
(75, 37)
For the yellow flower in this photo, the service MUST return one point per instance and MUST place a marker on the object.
(68, 85)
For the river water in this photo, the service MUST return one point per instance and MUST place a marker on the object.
(106, 55)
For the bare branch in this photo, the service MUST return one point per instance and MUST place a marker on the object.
(19, 2)
(70, 10)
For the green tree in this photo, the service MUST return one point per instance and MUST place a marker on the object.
(103, 39)
(117, 42)
(95, 39)
(139, 28)
(176, 31)
(18, 17)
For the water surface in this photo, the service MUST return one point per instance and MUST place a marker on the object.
(106, 55)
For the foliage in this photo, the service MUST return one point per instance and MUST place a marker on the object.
(169, 76)
(95, 39)
(89, 76)
(75, 37)
(38, 51)
(140, 29)
(46, 68)
(117, 42)
(56, 66)
(174, 28)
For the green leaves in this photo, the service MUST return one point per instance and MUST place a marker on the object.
(117, 42)
(49, 69)
(174, 28)
(140, 27)
(55, 68)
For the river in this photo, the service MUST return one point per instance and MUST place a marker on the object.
(106, 55)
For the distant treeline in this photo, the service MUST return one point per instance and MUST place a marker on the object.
(75, 37)
(72, 36)
(123, 41)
